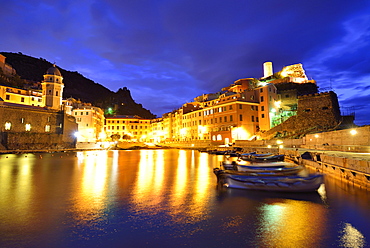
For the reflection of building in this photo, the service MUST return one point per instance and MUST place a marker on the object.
(128, 127)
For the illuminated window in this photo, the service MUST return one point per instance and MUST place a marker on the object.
(8, 125)
(28, 127)
(47, 128)
(219, 137)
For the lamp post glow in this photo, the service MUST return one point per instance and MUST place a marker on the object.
(353, 132)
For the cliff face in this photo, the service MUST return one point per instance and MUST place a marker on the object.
(77, 86)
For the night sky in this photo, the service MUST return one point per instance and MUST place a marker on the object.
(166, 52)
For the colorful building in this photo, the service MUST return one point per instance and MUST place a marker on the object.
(128, 127)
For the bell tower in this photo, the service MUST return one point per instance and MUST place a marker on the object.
(52, 88)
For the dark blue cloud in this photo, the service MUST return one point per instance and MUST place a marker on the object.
(170, 51)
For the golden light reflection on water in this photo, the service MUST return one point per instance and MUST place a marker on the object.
(179, 189)
(181, 186)
(89, 198)
(291, 223)
(16, 189)
(148, 188)
(351, 237)
(202, 187)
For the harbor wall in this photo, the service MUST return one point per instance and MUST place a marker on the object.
(354, 172)
(47, 129)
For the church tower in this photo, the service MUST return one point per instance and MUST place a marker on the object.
(52, 88)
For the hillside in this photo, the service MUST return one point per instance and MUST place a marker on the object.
(77, 86)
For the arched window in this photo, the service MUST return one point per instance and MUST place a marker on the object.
(219, 137)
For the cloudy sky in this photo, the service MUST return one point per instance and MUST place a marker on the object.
(166, 52)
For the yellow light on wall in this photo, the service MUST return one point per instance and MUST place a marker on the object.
(8, 125)
(279, 142)
(353, 132)
(28, 127)
(316, 135)
(182, 131)
(240, 133)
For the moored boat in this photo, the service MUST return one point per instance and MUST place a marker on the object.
(283, 167)
(269, 182)
(266, 158)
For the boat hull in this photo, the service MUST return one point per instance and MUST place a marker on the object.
(263, 159)
(281, 183)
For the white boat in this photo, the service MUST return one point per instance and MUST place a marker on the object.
(269, 182)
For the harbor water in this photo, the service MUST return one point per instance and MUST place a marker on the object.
(164, 198)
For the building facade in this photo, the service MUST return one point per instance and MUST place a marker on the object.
(127, 127)
(90, 122)
(240, 111)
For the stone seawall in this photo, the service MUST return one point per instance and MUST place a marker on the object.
(348, 175)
